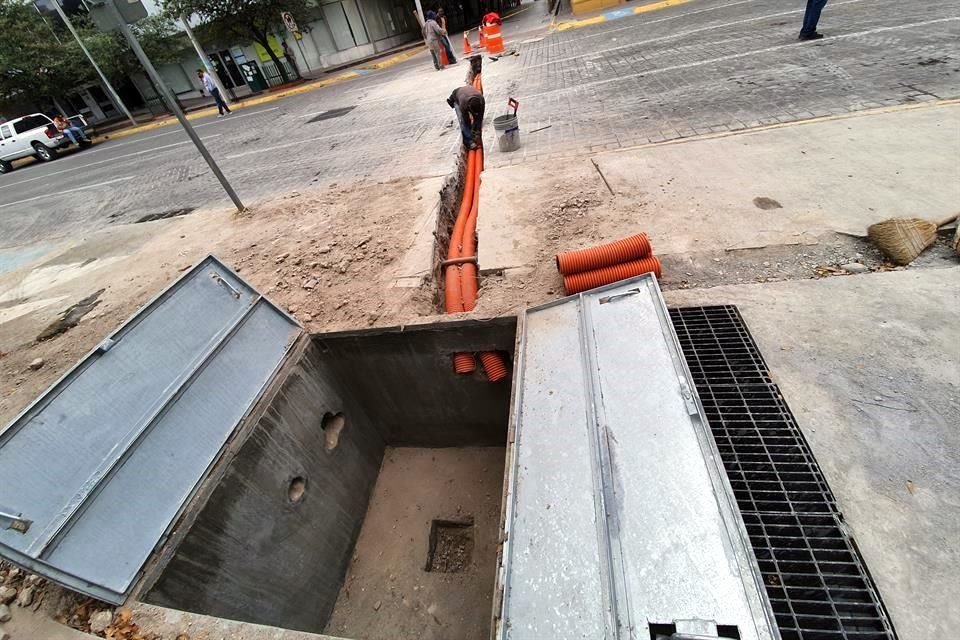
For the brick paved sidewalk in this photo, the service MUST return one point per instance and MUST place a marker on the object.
(714, 66)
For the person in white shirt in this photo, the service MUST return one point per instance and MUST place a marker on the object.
(211, 87)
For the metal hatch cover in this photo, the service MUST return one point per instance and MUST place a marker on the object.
(620, 522)
(98, 468)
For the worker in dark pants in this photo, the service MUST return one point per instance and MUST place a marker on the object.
(469, 106)
(810, 19)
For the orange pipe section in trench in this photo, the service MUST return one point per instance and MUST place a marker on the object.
(461, 284)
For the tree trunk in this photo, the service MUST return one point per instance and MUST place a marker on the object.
(264, 41)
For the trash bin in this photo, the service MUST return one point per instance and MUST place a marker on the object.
(508, 132)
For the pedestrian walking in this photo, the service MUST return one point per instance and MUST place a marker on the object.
(469, 105)
(432, 34)
(442, 21)
(288, 54)
(211, 87)
(810, 19)
(76, 134)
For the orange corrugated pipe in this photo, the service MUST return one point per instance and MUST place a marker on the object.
(605, 255)
(577, 282)
(453, 295)
(468, 274)
(493, 365)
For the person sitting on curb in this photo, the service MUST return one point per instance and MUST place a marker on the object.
(469, 105)
(73, 132)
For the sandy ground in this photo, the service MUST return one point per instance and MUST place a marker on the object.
(387, 594)
(327, 255)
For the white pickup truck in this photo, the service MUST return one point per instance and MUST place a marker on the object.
(33, 135)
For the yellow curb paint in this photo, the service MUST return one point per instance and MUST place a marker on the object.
(658, 5)
(253, 102)
(586, 22)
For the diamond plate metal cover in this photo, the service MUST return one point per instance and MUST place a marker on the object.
(619, 518)
(103, 462)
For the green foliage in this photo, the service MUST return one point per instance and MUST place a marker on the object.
(32, 62)
(43, 59)
(229, 22)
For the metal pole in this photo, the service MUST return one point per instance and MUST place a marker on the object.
(420, 17)
(110, 89)
(203, 57)
(172, 102)
(305, 61)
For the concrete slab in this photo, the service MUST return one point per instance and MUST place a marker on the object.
(417, 260)
(171, 623)
(782, 186)
(870, 366)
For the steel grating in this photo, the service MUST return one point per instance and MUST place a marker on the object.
(814, 576)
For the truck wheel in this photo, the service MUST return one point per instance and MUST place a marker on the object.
(44, 152)
(5, 167)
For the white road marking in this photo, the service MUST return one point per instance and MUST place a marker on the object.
(595, 54)
(110, 146)
(60, 193)
(736, 56)
(93, 164)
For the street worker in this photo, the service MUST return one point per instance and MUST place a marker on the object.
(442, 21)
(211, 87)
(433, 35)
(75, 133)
(469, 106)
(810, 19)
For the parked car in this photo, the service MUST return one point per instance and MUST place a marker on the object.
(33, 135)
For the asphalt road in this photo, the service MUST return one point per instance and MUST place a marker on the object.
(699, 67)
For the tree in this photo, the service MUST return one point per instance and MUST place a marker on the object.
(33, 62)
(229, 20)
(42, 60)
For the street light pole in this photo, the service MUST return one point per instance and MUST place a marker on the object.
(110, 89)
(204, 57)
(171, 101)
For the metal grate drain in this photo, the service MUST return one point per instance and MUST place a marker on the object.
(814, 575)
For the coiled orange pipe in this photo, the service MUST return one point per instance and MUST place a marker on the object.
(605, 255)
(577, 282)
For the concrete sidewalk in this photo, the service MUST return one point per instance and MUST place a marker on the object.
(870, 366)
(785, 185)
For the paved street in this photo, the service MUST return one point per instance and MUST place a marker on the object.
(700, 67)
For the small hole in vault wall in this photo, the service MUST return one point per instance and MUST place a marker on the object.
(333, 425)
(298, 487)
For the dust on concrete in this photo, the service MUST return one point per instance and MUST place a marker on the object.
(388, 594)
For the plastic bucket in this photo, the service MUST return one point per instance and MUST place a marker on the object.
(508, 132)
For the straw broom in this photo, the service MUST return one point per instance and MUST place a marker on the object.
(903, 239)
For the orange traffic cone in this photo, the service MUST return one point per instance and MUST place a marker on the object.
(467, 50)
(483, 38)
(444, 61)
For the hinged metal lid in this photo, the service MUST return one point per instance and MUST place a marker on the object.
(94, 473)
(620, 521)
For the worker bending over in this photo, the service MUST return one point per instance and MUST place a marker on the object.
(469, 105)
